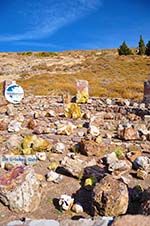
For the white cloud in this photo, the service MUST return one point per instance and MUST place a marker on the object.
(36, 44)
(43, 18)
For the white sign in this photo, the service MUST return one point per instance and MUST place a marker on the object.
(18, 160)
(14, 93)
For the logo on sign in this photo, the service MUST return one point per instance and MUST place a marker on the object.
(14, 93)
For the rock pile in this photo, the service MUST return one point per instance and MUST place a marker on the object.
(103, 145)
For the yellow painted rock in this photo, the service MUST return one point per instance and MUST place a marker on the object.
(82, 91)
(73, 111)
(41, 145)
(90, 181)
(27, 151)
(82, 97)
(28, 141)
(53, 165)
(32, 144)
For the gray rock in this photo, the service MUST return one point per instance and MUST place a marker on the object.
(14, 126)
(28, 222)
(13, 142)
(99, 221)
(142, 162)
(111, 158)
(25, 194)
(73, 166)
(147, 118)
(59, 148)
(52, 176)
(11, 111)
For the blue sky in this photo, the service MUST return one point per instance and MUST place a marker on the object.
(57, 25)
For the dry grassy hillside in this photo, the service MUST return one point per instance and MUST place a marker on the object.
(53, 73)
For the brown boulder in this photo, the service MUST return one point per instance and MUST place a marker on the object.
(32, 124)
(133, 153)
(3, 125)
(92, 148)
(3, 101)
(127, 132)
(111, 197)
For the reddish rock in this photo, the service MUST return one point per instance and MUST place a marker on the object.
(142, 174)
(66, 98)
(109, 116)
(3, 109)
(127, 132)
(32, 124)
(133, 153)
(92, 148)
(97, 119)
(11, 110)
(3, 125)
(133, 117)
(132, 220)
(3, 102)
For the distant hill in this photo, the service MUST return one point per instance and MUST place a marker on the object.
(48, 73)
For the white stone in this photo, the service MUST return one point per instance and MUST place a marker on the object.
(111, 158)
(52, 176)
(14, 126)
(94, 131)
(51, 113)
(58, 148)
(147, 118)
(127, 102)
(77, 208)
(13, 142)
(66, 202)
(41, 156)
(142, 106)
(108, 101)
(143, 162)
(135, 105)
(66, 128)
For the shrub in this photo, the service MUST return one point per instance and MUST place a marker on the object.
(45, 54)
(147, 51)
(119, 151)
(25, 53)
(141, 46)
(124, 49)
